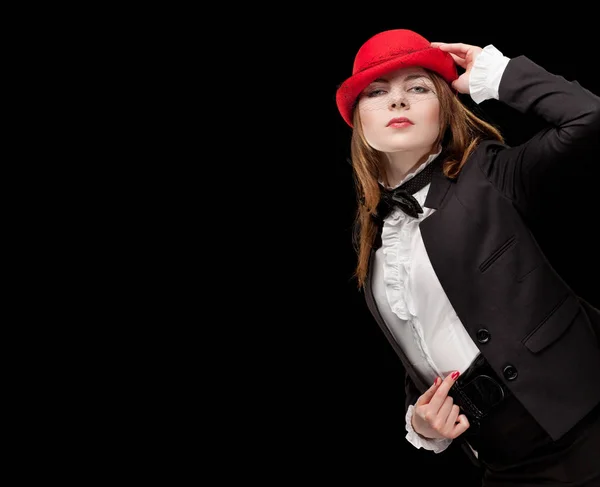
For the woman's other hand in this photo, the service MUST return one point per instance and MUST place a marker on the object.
(435, 414)
(464, 55)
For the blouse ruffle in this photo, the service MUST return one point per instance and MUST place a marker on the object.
(396, 238)
(397, 235)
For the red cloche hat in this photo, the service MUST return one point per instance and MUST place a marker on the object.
(386, 52)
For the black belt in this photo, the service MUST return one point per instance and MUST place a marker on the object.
(477, 391)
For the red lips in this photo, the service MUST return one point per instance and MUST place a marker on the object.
(399, 120)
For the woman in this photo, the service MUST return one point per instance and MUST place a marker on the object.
(500, 354)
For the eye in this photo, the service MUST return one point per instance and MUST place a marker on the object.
(419, 89)
(374, 93)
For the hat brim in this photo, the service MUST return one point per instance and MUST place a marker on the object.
(431, 58)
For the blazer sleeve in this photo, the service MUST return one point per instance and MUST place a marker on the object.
(411, 392)
(572, 116)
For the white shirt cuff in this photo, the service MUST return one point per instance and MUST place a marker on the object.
(437, 445)
(484, 80)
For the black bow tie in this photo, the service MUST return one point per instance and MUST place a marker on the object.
(402, 197)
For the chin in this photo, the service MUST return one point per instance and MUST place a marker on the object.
(399, 148)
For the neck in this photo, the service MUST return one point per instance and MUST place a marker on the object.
(400, 164)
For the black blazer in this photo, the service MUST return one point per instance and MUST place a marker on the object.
(528, 323)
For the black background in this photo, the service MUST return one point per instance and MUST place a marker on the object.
(343, 420)
(306, 389)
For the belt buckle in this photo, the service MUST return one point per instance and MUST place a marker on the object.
(477, 397)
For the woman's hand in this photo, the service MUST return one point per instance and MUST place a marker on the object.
(464, 55)
(435, 414)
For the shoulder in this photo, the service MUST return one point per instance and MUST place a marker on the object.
(484, 155)
(488, 148)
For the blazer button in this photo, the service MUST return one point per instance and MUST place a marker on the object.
(483, 335)
(510, 372)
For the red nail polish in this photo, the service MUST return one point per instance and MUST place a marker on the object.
(455, 374)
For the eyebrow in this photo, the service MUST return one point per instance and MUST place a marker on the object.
(408, 78)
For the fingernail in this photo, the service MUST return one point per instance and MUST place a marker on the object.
(435, 382)
(455, 374)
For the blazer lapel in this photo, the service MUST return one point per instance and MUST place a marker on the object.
(438, 191)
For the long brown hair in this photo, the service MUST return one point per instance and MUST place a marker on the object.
(460, 133)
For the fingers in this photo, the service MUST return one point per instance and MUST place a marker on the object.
(462, 62)
(459, 53)
(436, 415)
(462, 426)
(449, 423)
(428, 394)
(453, 417)
(439, 396)
(456, 48)
(446, 417)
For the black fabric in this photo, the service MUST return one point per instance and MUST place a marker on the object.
(402, 196)
(515, 450)
(512, 447)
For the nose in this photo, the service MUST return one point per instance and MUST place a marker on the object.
(398, 98)
(402, 104)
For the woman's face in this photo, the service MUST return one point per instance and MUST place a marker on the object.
(406, 93)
